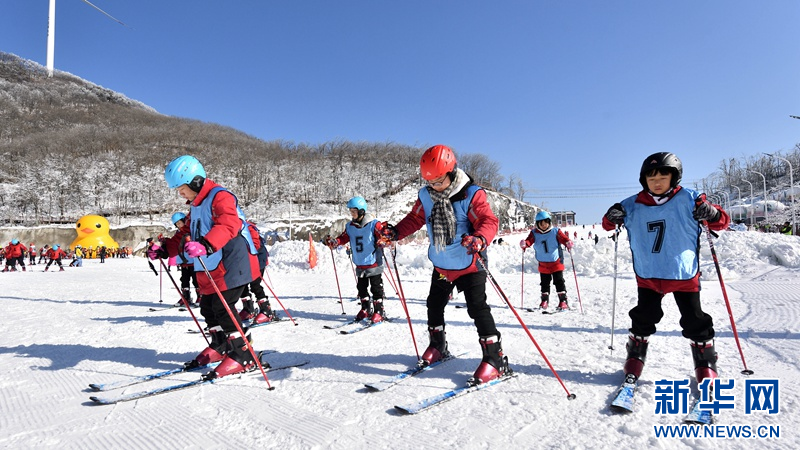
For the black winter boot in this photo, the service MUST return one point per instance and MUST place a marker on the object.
(494, 363)
(437, 349)
(637, 354)
(248, 308)
(562, 301)
(705, 360)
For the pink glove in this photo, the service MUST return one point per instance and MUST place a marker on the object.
(523, 244)
(155, 251)
(194, 249)
(569, 245)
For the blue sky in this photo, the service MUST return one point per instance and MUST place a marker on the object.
(570, 96)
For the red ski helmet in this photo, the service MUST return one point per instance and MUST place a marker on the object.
(437, 161)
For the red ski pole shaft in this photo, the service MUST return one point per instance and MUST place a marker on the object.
(403, 299)
(522, 288)
(525, 327)
(746, 371)
(186, 304)
(236, 323)
(575, 273)
(279, 301)
(341, 302)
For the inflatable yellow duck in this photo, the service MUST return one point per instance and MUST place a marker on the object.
(93, 232)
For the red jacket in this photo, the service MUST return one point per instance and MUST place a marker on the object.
(227, 226)
(483, 221)
(546, 266)
(15, 250)
(667, 286)
(56, 254)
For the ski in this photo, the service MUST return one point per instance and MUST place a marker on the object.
(533, 309)
(97, 387)
(363, 325)
(342, 325)
(555, 311)
(143, 378)
(430, 402)
(698, 416)
(244, 324)
(623, 401)
(179, 386)
(387, 382)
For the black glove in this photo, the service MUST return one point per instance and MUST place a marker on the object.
(704, 210)
(616, 214)
(330, 242)
(388, 232)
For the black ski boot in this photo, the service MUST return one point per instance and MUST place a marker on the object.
(238, 359)
(637, 354)
(437, 349)
(494, 363)
(377, 310)
(248, 308)
(705, 360)
(265, 312)
(213, 353)
(562, 301)
(545, 300)
(366, 310)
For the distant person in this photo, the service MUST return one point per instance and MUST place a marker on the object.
(15, 254)
(185, 265)
(220, 241)
(264, 313)
(546, 241)
(32, 254)
(55, 255)
(460, 225)
(786, 229)
(363, 232)
(664, 234)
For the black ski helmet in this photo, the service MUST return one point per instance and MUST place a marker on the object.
(662, 160)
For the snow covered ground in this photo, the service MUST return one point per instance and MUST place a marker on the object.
(64, 330)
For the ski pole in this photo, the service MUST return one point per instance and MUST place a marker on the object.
(391, 276)
(352, 266)
(279, 301)
(236, 323)
(403, 299)
(614, 291)
(341, 302)
(746, 371)
(525, 327)
(186, 304)
(522, 289)
(160, 284)
(576, 279)
(268, 277)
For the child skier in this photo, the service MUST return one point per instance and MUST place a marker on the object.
(220, 240)
(664, 235)
(54, 255)
(265, 313)
(546, 241)
(15, 253)
(363, 233)
(460, 225)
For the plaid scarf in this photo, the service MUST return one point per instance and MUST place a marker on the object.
(443, 218)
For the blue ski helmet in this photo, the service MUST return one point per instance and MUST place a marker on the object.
(56, 246)
(183, 170)
(543, 215)
(357, 203)
(15, 241)
(178, 216)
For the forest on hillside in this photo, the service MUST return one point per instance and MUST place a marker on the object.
(69, 148)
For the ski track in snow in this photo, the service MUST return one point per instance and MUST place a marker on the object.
(66, 330)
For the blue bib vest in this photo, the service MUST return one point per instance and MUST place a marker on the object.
(454, 256)
(664, 239)
(234, 253)
(362, 243)
(546, 246)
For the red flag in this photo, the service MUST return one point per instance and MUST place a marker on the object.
(312, 252)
